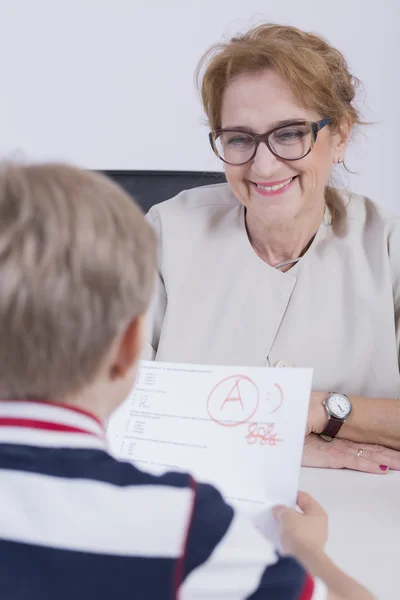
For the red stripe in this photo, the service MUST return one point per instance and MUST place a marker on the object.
(180, 563)
(308, 589)
(36, 424)
(77, 409)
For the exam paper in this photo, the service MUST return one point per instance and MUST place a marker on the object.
(241, 429)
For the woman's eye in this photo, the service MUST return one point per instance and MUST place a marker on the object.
(290, 135)
(239, 141)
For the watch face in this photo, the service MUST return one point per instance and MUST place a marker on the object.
(339, 406)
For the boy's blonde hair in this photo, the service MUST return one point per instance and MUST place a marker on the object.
(77, 263)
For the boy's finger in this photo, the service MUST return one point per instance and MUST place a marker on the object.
(278, 510)
(308, 505)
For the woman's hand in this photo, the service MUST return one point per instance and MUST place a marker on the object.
(317, 418)
(343, 454)
(299, 532)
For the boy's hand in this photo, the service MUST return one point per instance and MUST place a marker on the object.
(302, 532)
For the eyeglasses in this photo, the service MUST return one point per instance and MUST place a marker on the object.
(288, 142)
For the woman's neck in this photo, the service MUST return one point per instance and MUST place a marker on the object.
(280, 242)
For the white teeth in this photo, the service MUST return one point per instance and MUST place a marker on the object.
(275, 187)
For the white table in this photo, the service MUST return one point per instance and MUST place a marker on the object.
(364, 524)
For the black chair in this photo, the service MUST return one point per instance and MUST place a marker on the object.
(152, 187)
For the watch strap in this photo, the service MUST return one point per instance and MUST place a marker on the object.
(332, 427)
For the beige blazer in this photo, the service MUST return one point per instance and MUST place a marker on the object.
(337, 310)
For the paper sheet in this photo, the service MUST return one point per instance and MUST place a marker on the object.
(241, 429)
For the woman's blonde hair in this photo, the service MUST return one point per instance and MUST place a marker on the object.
(316, 72)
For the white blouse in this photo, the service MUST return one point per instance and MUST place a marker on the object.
(337, 310)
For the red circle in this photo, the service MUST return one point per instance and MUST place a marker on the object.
(239, 422)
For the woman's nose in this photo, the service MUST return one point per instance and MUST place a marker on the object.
(264, 162)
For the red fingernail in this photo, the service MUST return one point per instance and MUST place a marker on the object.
(383, 467)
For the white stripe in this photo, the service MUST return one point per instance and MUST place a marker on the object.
(93, 516)
(54, 439)
(50, 413)
(235, 568)
(320, 590)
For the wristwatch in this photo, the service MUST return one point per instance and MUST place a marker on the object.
(338, 408)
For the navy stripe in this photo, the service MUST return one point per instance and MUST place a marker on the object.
(78, 463)
(211, 520)
(284, 580)
(38, 573)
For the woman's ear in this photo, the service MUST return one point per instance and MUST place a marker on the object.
(341, 138)
(129, 348)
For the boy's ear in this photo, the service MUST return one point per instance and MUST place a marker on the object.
(129, 349)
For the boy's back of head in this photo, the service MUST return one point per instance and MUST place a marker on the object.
(77, 264)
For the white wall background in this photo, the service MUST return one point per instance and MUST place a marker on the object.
(109, 83)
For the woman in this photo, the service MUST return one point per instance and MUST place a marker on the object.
(277, 267)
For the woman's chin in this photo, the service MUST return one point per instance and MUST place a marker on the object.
(276, 209)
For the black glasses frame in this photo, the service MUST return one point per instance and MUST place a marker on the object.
(315, 127)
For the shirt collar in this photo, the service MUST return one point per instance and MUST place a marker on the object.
(40, 423)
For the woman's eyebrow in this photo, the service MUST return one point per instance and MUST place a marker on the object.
(245, 129)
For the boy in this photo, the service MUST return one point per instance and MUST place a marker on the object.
(77, 263)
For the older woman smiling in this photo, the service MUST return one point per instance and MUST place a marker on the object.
(277, 267)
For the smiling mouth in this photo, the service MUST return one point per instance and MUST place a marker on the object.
(274, 188)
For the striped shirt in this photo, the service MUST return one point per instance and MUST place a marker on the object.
(77, 524)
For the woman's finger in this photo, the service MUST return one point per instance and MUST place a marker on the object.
(343, 455)
(359, 463)
(380, 455)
